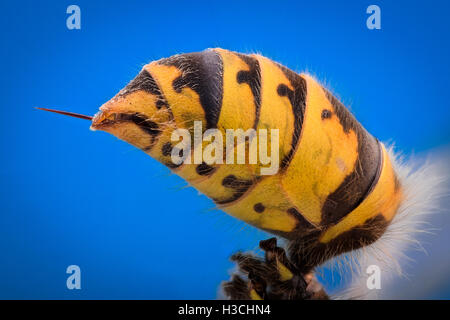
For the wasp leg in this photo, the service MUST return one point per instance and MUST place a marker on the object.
(271, 278)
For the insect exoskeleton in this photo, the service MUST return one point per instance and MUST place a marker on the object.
(335, 188)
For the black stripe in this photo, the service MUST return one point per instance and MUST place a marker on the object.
(297, 98)
(308, 252)
(358, 184)
(142, 121)
(203, 73)
(145, 81)
(253, 78)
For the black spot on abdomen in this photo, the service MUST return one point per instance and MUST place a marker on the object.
(239, 186)
(326, 114)
(259, 207)
(166, 149)
(204, 169)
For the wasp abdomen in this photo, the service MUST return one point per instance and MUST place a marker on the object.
(335, 189)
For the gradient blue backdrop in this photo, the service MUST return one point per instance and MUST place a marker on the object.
(72, 196)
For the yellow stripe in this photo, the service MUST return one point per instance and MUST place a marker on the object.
(186, 108)
(325, 156)
(276, 111)
(238, 108)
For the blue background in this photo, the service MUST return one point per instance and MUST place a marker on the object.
(72, 196)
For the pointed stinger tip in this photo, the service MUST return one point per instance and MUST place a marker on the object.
(71, 114)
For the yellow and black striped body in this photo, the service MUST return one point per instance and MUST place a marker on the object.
(336, 189)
